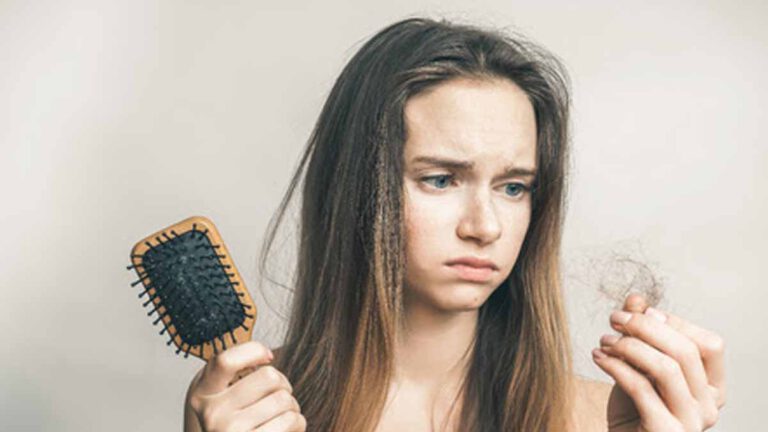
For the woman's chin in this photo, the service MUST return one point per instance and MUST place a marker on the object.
(463, 297)
(456, 296)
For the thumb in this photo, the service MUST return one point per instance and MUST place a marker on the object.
(635, 303)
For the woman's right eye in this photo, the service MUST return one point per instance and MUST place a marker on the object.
(441, 179)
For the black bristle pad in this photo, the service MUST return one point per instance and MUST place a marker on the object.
(194, 287)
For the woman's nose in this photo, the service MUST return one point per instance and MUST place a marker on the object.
(479, 221)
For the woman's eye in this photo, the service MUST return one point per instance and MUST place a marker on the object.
(516, 188)
(441, 179)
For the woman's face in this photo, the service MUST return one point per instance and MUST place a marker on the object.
(476, 203)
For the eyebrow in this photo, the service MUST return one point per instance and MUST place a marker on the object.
(459, 165)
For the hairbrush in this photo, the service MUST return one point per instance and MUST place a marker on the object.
(194, 287)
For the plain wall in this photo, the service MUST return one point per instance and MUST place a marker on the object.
(118, 118)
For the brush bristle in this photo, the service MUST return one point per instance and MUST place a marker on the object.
(193, 286)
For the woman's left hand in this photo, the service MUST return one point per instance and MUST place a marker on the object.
(669, 373)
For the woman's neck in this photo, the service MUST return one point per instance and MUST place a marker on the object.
(433, 346)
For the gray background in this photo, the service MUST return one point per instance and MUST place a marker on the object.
(118, 118)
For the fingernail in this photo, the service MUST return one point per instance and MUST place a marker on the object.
(608, 339)
(597, 352)
(620, 317)
(656, 314)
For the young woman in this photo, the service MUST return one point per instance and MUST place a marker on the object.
(427, 295)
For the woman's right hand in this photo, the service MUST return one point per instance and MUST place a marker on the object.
(261, 401)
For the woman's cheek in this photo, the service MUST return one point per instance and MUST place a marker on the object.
(429, 231)
(430, 222)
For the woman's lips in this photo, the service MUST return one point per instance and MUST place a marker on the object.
(474, 274)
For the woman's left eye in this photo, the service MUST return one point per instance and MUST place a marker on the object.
(518, 188)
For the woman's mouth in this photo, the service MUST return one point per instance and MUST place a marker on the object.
(470, 273)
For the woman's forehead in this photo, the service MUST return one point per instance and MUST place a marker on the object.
(472, 121)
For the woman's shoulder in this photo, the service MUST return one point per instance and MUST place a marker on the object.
(590, 404)
(592, 387)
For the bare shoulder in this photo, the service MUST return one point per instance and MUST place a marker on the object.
(593, 389)
(590, 403)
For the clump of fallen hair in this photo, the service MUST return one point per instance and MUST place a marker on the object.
(617, 271)
(624, 275)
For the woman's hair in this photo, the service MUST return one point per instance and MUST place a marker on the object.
(347, 301)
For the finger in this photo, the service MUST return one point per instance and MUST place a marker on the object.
(711, 348)
(635, 303)
(671, 342)
(220, 369)
(265, 380)
(288, 421)
(664, 372)
(650, 407)
(268, 408)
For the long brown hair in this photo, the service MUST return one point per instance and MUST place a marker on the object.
(338, 350)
